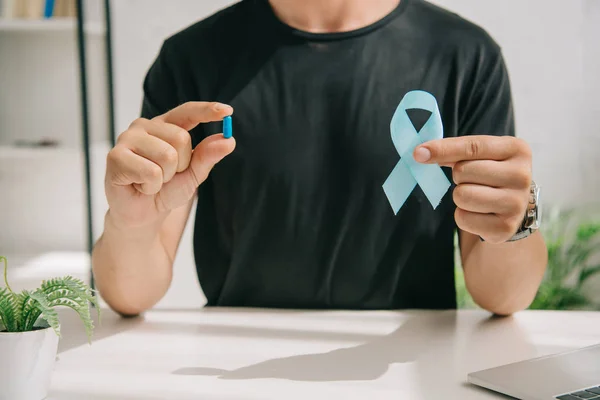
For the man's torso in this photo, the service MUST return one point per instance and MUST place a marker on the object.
(296, 216)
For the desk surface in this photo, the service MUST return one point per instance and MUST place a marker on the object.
(248, 354)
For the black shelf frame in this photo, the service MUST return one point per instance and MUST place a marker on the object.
(85, 126)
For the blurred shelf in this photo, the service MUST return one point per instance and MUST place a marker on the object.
(14, 149)
(57, 25)
(20, 152)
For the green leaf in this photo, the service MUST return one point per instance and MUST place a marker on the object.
(31, 311)
(463, 297)
(83, 290)
(47, 313)
(587, 273)
(72, 293)
(554, 297)
(81, 309)
(3, 259)
(25, 304)
(6, 310)
(586, 232)
(10, 312)
(75, 285)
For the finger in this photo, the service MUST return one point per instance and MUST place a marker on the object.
(455, 149)
(490, 227)
(176, 136)
(156, 150)
(124, 168)
(491, 173)
(189, 115)
(208, 153)
(485, 199)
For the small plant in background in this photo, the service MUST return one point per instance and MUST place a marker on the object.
(573, 241)
(19, 312)
(573, 261)
(463, 298)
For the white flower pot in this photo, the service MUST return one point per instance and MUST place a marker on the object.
(26, 363)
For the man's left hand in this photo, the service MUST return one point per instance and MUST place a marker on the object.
(492, 176)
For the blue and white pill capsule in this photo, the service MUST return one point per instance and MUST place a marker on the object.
(227, 129)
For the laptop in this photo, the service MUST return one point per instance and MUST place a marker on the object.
(572, 375)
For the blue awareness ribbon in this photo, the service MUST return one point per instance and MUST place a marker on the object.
(408, 172)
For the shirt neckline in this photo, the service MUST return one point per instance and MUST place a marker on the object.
(273, 19)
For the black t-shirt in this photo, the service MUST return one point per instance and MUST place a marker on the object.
(296, 216)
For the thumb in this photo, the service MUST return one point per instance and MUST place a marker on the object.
(179, 190)
(209, 152)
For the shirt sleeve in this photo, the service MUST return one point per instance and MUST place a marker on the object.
(489, 107)
(160, 90)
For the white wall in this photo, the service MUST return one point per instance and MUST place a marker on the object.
(29, 92)
(139, 28)
(590, 163)
(549, 46)
(42, 198)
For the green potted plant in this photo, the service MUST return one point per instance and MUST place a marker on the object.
(30, 331)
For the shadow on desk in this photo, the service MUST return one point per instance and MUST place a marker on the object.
(430, 335)
(368, 361)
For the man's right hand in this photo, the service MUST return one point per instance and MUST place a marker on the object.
(153, 169)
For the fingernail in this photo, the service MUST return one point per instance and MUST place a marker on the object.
(422, 154)
(221, 107)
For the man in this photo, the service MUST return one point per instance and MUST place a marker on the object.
(292, 213)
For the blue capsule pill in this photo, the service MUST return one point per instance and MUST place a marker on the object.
(227, 129)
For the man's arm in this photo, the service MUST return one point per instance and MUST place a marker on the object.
(133, 267)
(493, 178)
(503, 278)
(152, 176)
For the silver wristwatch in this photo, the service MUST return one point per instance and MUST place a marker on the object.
(533, 215)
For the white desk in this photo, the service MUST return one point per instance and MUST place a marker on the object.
(227, 354)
